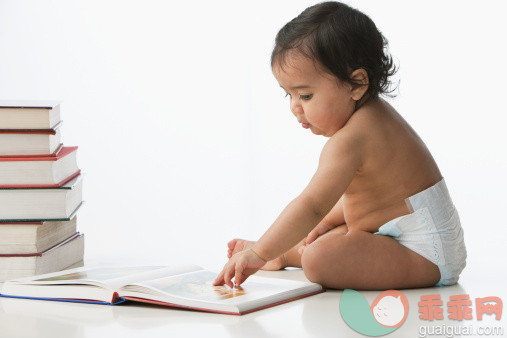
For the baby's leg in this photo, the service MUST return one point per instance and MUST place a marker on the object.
(291, 258)
(361, 260)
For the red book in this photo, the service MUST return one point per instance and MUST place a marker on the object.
(39, 171)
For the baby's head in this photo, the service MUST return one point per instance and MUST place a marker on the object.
(339, 50)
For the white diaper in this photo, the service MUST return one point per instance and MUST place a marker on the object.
(433, 230)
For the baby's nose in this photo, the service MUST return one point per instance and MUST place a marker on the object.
(297, 111)
(296, 108)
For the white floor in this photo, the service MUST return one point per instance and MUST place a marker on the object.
(316, 316)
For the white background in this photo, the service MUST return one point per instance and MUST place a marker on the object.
(187, 140)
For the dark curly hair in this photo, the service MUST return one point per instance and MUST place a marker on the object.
(342, 39)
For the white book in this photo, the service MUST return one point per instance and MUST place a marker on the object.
(25, 114)
(36, 204)
(30, 142)
(56, 258)
(184, 286)
(29, 237)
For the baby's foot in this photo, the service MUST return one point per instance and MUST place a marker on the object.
(237, 245)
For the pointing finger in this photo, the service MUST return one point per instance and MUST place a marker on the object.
(220, 279)
(229, 270)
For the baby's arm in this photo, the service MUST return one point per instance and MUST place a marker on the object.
(335, 218)
(340, 159)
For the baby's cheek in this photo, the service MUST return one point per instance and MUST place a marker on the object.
(315, 119)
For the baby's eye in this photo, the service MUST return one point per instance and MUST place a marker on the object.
(305, 97)
(287, 94)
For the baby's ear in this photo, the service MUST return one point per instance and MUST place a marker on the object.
(360, 77)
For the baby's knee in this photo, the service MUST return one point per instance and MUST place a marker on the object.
(310, 262)
(316, 256)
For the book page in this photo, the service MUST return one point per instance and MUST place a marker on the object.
(198, 286)
(165, 271)
(106, 276)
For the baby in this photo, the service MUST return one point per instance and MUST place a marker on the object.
(377, 213)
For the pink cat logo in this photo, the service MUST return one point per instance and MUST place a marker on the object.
(390, 308)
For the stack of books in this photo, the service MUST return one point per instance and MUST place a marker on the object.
(40, 192)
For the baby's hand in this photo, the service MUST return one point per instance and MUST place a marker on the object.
(319, 230)
(240, 266)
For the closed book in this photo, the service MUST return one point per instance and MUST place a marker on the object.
(43, 172)
(28, 237)
(62, 255)
(25, 114)
(183, 286)
(29, 141)
(41, 204)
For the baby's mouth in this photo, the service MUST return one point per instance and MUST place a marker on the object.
(305, 125)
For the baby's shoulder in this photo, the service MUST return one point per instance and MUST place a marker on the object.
(361, 127)
(351, 138)
(370, 123)
(367, 131)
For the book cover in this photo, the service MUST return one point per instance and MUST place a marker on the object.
(56, 185)
(43, 104)
(54, 154)
(51, 131)
(61, 153)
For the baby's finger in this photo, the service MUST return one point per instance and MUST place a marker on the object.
(220, 279)
(311, 237)
(232, 243)
(301, 249)
(238, 274)
(228, 275)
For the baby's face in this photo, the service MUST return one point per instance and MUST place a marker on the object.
(319, 100)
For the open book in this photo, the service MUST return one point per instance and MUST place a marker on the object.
(185, 286)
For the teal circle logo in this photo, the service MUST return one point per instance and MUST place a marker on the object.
(387, 312)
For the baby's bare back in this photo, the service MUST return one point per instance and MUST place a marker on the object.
(396, 165)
